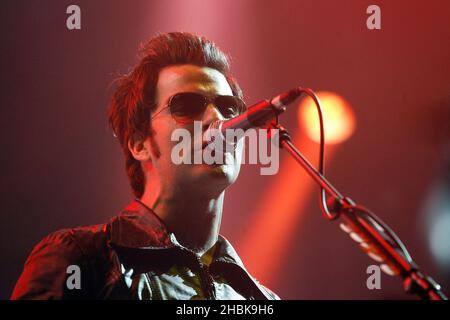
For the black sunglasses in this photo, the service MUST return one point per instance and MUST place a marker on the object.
(191, 105)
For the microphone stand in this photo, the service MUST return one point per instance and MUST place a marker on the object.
(373, 235)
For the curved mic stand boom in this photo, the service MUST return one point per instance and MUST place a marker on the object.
(373, 235)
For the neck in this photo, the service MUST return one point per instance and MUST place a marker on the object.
(193, 217)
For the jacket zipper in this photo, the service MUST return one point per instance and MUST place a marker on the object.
(156, 295)
(207, 281)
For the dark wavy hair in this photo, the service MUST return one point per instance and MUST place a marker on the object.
(134, 97)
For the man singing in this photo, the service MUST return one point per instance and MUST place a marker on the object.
(166, 243)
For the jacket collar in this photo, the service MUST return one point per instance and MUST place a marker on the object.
(138, 227)
(141, 238)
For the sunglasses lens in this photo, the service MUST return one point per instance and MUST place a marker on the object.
(191, 105)
(187, 104)
(229, 106)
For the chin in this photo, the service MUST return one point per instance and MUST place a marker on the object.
(223, 174)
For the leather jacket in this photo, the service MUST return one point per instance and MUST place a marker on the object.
(126, 259)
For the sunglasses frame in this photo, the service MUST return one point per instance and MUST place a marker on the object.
(207, 100)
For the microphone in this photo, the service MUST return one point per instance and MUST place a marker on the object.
(259, 115)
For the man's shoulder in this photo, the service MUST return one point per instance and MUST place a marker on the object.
(83, 241)
(271, 294)
(90, 238)
(46, 268)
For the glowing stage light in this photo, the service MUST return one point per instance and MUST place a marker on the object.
(338, 118)
(279, 214)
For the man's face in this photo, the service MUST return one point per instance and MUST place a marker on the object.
(203, 177)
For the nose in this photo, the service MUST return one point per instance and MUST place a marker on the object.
(211, 114)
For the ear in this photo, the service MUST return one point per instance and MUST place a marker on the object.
(140, 149)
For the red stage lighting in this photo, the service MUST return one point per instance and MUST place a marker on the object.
(338, 117)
